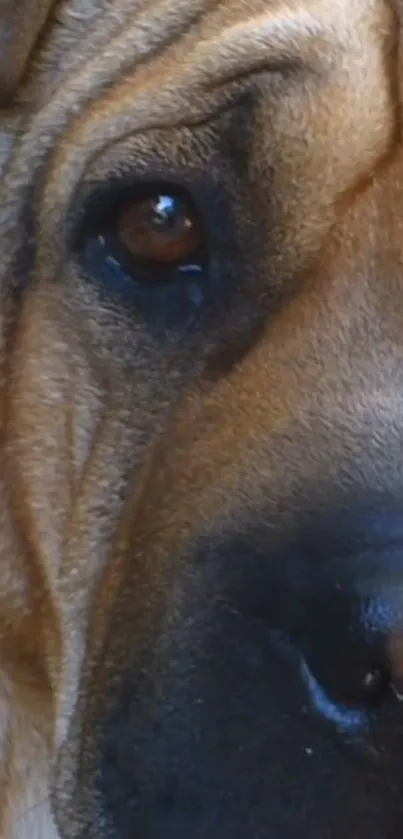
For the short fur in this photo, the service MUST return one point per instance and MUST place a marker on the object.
(155, 466)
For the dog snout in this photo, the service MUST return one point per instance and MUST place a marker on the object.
(332, 587)
(256, 654)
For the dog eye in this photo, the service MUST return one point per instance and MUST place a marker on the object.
(152, 234)
(162, 228)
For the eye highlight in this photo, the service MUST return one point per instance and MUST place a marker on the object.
(150, 233)
(162, 228)
(149, 244)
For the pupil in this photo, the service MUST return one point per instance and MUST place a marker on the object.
(164, 212)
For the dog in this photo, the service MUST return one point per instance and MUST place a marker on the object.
(201, 601)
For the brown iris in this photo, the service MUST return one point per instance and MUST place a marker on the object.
(162, 228)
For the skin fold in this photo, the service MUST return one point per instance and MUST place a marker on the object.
(201, 481)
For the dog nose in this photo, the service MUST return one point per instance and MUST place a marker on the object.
(334, 589)
(349, 629)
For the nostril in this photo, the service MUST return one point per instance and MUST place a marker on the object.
(351, 682)
(352, 669)
(349, 631)
(351, 712)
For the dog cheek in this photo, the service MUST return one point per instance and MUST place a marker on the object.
(45, 449)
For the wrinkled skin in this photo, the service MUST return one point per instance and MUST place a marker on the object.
(201, 605)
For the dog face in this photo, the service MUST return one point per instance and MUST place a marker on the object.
(201, 412)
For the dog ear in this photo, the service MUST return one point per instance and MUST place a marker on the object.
(20, 24)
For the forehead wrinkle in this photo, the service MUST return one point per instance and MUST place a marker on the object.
(178, 101)
(151, 32)
(150, 35)
(283, 34)
(266, 42)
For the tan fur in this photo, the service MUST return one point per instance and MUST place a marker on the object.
(92, 404)
(21, 23)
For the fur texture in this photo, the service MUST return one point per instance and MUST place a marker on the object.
(139, 442)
